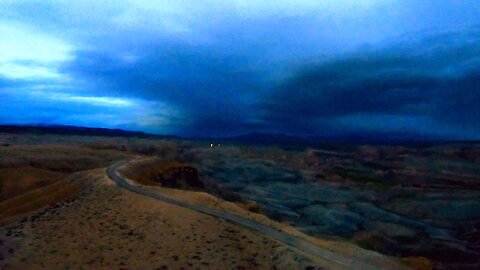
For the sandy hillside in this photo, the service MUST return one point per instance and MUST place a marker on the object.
(35, 175)
(107, 228)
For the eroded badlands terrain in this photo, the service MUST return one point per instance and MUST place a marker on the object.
(415, 204)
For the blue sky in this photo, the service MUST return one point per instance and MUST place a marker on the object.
(218, 68)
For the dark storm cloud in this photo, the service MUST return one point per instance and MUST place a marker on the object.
(226, 67)
(210, 90)
(437, 78)
(215, 92)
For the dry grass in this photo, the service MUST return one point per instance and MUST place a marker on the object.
(33, 176)
(35, 169)
(39, 197)
(19, 180)
(111, 228)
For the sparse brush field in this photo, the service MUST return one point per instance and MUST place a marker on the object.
(33, 176)
(58, 209)
(411, 201)
(38, 170)
(106, 227)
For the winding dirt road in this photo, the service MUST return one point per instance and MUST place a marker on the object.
(295, 242)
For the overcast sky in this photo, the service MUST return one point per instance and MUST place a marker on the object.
(219, 68)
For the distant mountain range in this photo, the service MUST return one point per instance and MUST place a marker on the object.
(256, 138)
(321, 141)
(74, 130)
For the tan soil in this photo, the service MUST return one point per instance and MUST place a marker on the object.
(110, 228)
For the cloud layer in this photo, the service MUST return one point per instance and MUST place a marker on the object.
(430, 86)
(216, 68)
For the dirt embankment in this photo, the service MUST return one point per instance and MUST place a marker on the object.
(34, 176)
(174, 174)
(111, 228)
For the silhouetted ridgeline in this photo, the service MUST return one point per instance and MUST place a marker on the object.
(332, 141)
(81, 131)
(254, 138)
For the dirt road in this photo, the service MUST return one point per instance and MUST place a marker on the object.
(295, 242)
